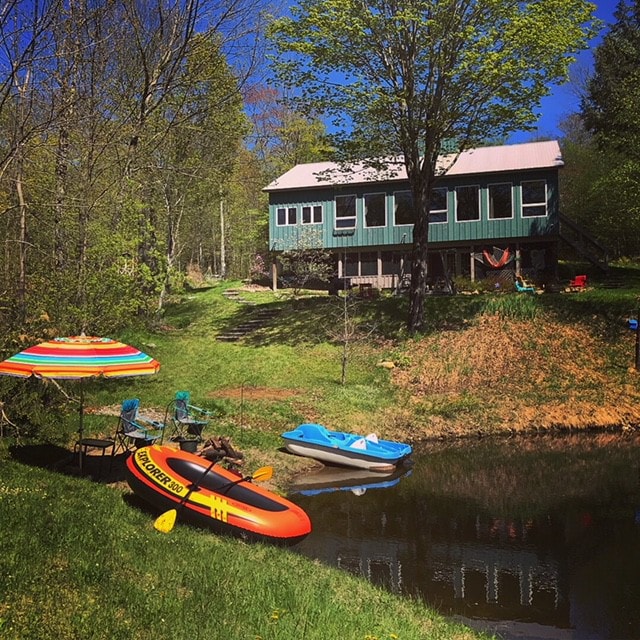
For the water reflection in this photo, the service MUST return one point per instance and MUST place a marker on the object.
(358, 481)
(527, 536)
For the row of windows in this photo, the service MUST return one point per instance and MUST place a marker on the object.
(289, 215)
(466, 205)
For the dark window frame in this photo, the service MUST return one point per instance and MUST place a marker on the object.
(366, 198)
(492, 201)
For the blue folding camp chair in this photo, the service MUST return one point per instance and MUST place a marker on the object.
(135, 430)
(189, 421)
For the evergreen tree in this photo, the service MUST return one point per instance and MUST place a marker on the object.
(611, 108)
(610, 157)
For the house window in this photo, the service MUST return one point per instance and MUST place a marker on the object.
(345, 212)
(350, 264)
(438, 205)
(286, 216)
(375, 210)
(500, 203)
(390, 263)
(467, 203)
(403, 212)
(369, 263)
(534, 198)
(312, 215)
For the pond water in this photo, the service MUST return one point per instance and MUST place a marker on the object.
(526, 538)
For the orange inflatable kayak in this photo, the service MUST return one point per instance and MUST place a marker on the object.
(222, 500)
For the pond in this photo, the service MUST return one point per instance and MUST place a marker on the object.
(525, 538)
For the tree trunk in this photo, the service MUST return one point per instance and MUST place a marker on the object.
(22, 241)
(223, 256)
(419, 271)
(421, 190)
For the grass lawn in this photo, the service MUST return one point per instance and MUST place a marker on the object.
(487, 363)
(81, 560)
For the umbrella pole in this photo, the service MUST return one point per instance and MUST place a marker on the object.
(81, 426)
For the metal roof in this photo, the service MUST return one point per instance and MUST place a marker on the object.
(515, 157)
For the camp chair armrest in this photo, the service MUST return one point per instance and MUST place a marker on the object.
(155, 424)
(204, 412)
(136, 426)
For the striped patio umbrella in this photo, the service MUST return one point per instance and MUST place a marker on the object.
(79, 357)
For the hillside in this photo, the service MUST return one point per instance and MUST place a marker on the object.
(487, 363)
(506, 375)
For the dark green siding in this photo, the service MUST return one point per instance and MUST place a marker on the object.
(451, 232)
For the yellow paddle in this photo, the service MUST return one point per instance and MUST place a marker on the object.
(261, 474)
(166, 521)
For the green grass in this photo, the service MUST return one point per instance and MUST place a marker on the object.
(293, 356)
(81, 560)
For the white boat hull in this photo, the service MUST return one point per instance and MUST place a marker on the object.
(340, 457)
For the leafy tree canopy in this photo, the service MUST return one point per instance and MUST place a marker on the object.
(394, 73)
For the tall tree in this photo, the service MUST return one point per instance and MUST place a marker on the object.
(403, 77)
(109, 125)
(610, 150)
(281, 137)
(611, 107)
(197, 158)
(24, 48)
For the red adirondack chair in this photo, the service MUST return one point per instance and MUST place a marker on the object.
(578, 283)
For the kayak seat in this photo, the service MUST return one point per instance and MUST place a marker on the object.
(188, 420)
(135, 430)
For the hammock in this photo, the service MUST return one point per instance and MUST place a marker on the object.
(497, 264)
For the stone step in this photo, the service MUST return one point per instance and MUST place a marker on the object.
(257, 320)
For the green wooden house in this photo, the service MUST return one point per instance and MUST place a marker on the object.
(494, 213)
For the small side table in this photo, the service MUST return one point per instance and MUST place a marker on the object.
(83, 445)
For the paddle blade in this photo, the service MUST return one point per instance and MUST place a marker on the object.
(263, 473)
(164, 522)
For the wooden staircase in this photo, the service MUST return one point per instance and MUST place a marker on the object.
(256, 320)
(584, 244)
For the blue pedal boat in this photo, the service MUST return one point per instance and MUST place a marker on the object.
(345, 449)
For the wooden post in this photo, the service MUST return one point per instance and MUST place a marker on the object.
(638, 341)
(274, 274)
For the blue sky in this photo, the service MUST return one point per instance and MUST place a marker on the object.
(563, 100)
